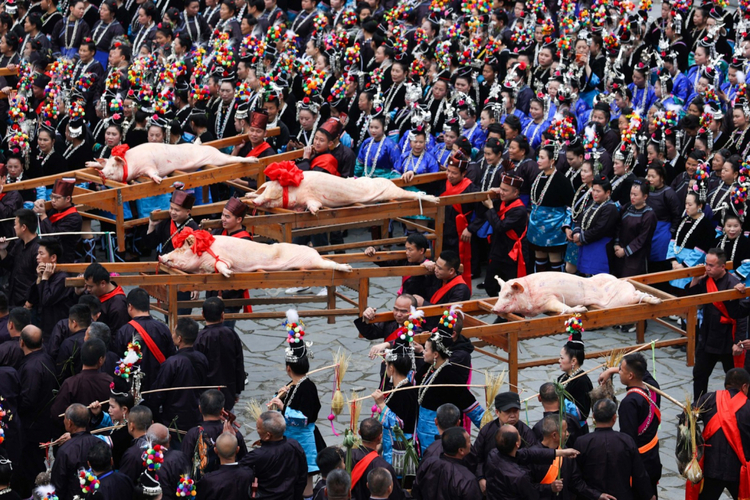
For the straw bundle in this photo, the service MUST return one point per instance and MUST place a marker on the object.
(688, 443)
(341, 359)
(607, 389)
(493, 383)
(254, 409)
(355, 407)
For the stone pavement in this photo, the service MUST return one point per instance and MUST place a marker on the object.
(264, 361)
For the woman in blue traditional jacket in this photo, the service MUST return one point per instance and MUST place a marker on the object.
(378, 155)
(693, 238)
(397, 409)
(551, 194)
(667, 207)
(643, 93)
(598, 228)
(418, 160)
(538, 124)
(298, 400)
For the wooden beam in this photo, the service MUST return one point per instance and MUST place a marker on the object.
(236, 140)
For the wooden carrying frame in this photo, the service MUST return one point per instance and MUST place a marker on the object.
(163, 283)
(507, 335)
(112, 200)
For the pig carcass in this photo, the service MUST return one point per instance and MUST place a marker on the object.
(157, 161)
(289, 187)
(563, 293)
(202, 252)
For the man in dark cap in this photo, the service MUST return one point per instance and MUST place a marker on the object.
(457, 230)
(37, 88)
(63, 218)
(318, 157)
(160, 233)
(223, 348)
(507, 409)
(509, 221)
(231, 225)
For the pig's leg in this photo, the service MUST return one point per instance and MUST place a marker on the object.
(223, 268)
(219, 159)
(555, 306)
(318, 262)
(313, 206)
(154, 177)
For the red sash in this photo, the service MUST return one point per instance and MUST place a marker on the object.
(61, 215)
(327, 162)
(361, 466)
(726, 421)
(516, 252)
(117, 291)
(2, 195)
(246, 293)
(459, 188)
(395, 334)
(238, 234)
(444, 289)
(258, 150)
(739, 361)
(149, 341)
(464, 248)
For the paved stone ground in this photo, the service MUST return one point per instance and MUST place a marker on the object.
(264, 362)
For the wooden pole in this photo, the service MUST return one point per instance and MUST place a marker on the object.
(152, 391)
(417, 387)
(665, 395)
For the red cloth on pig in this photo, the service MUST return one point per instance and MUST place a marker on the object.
(203, 240)
(285, 173)
(120, 151)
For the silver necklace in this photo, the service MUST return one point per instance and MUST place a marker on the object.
(538, 201)
(393, 391)
(411, 160)
(98, 37)
(736, 242)
(377, 155)
(221, 124)
(423, 390)
(197, 29)
(69, 152)
(391, 97)
(619, 180)
(44, 157)
(141, 37)
(495, 168)
(104, 150)
(75, 32)
(294, 392)
(586, 224)
(726, 192)
(679, 249)
(580, 203)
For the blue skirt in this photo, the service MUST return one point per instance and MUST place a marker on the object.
(689, 257)
(426, 428)
(572, 253)
(593, 257)
(102, 57)
(545, 226)
(300, 430)
(660, 242)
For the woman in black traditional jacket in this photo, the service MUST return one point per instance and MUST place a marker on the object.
(598, 227)
(572, 356)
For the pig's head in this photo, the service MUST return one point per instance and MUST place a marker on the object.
(182, 258)
(113, 168)
(271, 195)
(512, 298)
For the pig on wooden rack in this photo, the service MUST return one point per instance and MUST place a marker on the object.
(562, 293)
(156, 161)
(202, 252)
(290, 187)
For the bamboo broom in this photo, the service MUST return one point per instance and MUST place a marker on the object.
(493, 384)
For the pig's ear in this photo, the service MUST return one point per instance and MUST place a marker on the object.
(260, 190)
(500, 281)
(517, 287)
(189, 241)
(119, 160)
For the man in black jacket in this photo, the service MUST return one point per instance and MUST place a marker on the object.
(19, 257)
(73, 454)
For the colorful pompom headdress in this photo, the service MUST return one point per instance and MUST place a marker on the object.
(295, 329)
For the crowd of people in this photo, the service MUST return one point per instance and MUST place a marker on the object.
(608, 139)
